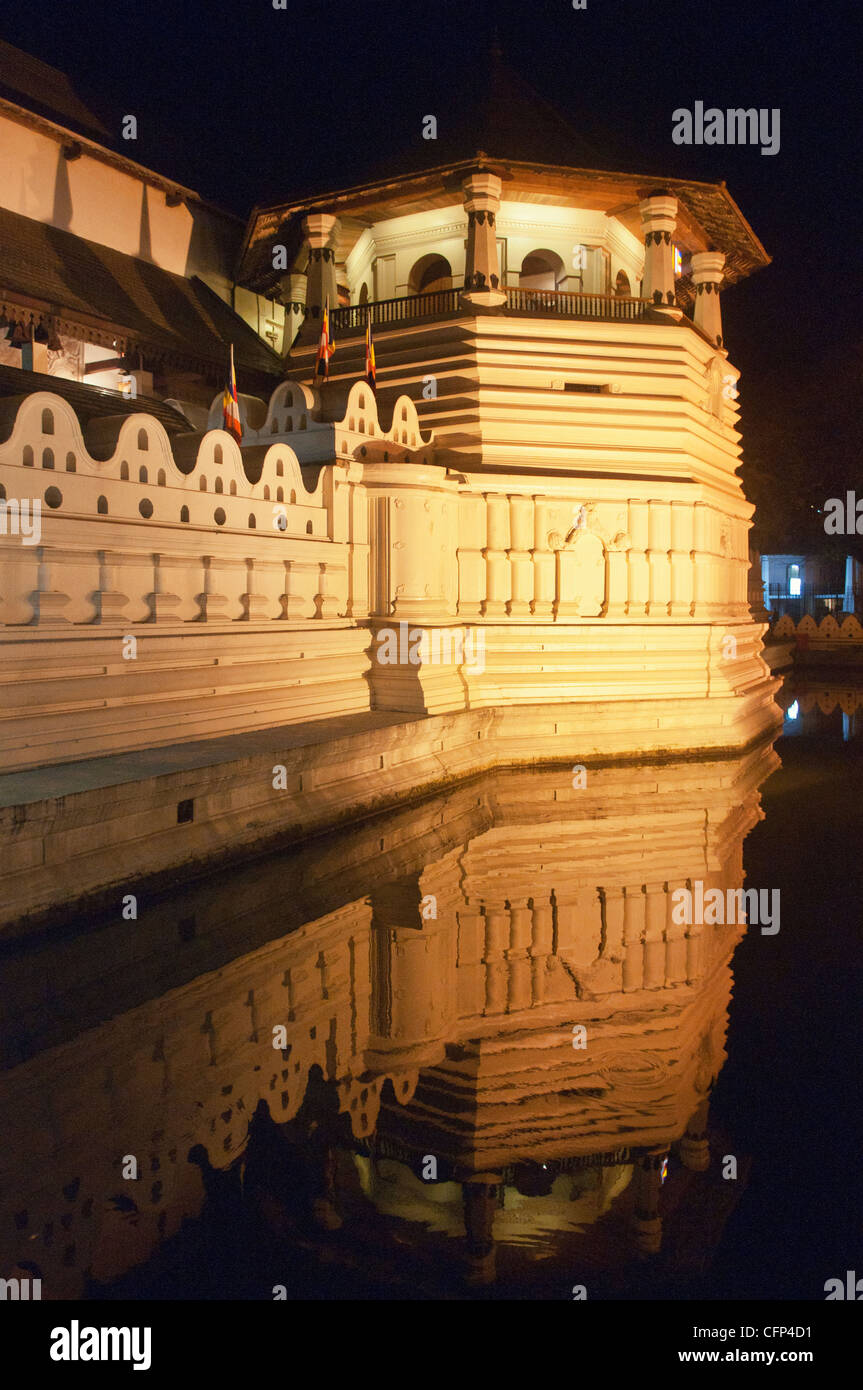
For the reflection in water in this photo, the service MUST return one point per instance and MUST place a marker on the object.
(823, 708)
(446, 1043)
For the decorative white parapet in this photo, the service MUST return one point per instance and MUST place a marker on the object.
(355, 572)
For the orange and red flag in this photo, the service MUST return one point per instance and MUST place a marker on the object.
(326, 348)
(230, 404)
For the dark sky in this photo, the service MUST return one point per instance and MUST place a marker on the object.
(248, 104)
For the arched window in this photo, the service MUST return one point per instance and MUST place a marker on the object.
(184, 513)
(280, 468)
(293, 496)
(541, 270)
(233, 489)
(47, 422)
(102, 506)
(252, 522)
(160, 478)
(202, 485)
(27, 456)
(429, 274)
(266, 494)
(621, 284)
(364, 294)
(280, 494)
(47, 458)
(143, 442)
(217, 454)
(308, 528)
(71, 465)
(219, 487)
(289, 424)
(142, 475)
(124, 471)
(362, 402)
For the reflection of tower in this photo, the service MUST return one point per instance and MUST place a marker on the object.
(481, 1197)
(413, 1001)
(647, 1223)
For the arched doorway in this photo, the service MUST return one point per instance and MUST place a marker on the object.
(429, 274)
(541, 270)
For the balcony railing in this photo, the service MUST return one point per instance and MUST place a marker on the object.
(442, 303)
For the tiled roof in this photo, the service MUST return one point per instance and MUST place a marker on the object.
(45, 90)
(152, 308)
(88, 402)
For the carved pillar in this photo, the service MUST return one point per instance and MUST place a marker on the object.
(496, 557)
(521, 567)
(481, 1195)
(319, 229)
(646, 1221)
(482, 287)
(521, 924)
(654, 936)
(255, 604)
(497, 930)
(541, 945)
(695, 1146)
(293, 290)
(681, 560)
(212, 603)
(707, 275)
(544, 562)
(109, 601)
(659, 219)
(633, 935)
(659, 543)
(638, 589)
(162, 602)
(49, 602)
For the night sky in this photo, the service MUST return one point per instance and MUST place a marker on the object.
(248, 104)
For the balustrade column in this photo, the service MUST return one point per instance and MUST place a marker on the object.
(633, 936)
(637, 566)
(646, 1221)
(496, 557)
(109, 601)
(521, 923)
(49, 602)
(708, 269)
(496, 942)
(654, 935)
(521, 567)
(482, 287)
(659, 542)
(694, 1147)
(681, 560)
(319, 229)
(659, 219)
(544, 561)
(293, 292)
(541, 946)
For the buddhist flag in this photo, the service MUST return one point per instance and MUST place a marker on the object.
(325, 346)
(371, 370)
(230, 404)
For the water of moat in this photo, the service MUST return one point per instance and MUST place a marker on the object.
(430, 1123)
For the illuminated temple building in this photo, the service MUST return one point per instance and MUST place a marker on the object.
(528, 545)
(541, 496)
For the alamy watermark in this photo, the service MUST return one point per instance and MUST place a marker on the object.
(736, 126)
(22, 517)
(439, 646)
(735, 905)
